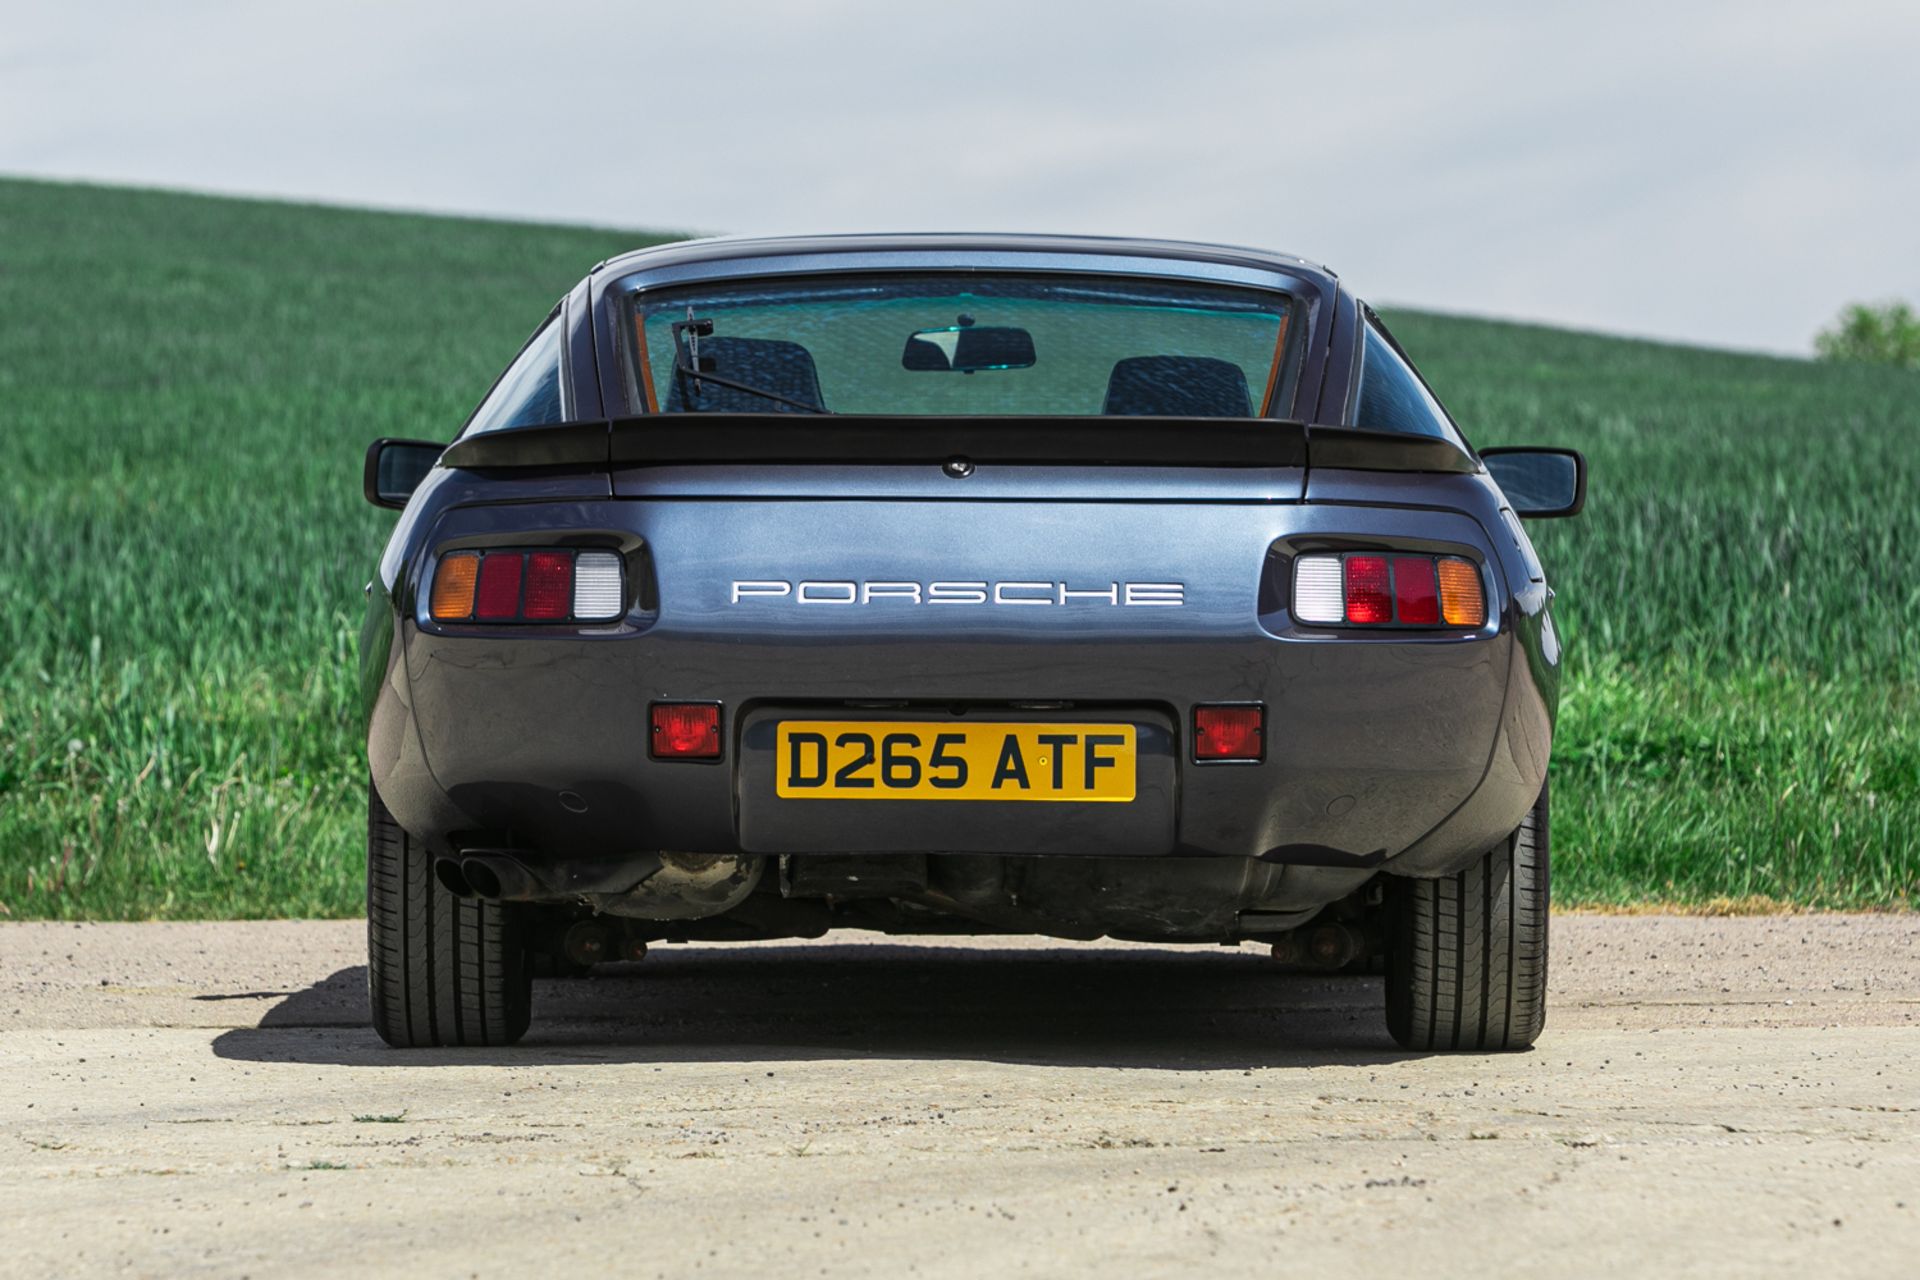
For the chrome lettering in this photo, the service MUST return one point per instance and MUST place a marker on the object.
(885, 593)
(1164, 594)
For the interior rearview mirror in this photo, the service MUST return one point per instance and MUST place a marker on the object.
(395, 469)
(967, 349)
(1539, 483)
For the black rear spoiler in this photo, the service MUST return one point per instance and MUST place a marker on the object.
(687, 439)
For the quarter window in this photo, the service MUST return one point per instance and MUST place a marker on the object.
(1392, 397)
(528, 393)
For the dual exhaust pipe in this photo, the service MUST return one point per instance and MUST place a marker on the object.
(491, 877)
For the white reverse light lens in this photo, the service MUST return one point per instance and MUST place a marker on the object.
(1319, 594)
(596, 586)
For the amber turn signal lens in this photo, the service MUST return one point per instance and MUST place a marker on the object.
(453, 584)
(1462, 602)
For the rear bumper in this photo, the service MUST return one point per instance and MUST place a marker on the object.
(1372, 748)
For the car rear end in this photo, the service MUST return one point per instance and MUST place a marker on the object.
(1152, 666)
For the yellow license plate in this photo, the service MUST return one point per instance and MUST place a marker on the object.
(942, 760)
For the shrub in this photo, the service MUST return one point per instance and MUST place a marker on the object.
(1883, 333)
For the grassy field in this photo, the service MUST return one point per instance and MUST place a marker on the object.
(187, 384)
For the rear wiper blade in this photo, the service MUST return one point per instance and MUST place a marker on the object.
(686, 364)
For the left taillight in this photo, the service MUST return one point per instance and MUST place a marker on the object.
(545, 585)
(1373, 589)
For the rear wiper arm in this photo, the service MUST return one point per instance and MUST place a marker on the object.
(686, 364)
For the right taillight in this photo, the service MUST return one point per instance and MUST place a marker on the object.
(1372, 589)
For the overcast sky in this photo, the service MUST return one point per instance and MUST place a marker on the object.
(1726, 173)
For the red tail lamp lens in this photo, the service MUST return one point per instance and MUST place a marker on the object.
(1368, 599)
(1229, 733)
(1416, 597)
(686, 731)
(549, 585)
(499, 596)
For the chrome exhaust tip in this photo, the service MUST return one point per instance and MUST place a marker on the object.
(495, 877)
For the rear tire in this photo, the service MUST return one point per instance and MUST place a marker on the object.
(1467, 954)
(441, 970)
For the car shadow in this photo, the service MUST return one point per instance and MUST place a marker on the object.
(1178, 1009)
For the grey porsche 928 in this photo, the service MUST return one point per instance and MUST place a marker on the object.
(961, 584)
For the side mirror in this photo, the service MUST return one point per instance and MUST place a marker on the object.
(395, 469)
(1540, 484)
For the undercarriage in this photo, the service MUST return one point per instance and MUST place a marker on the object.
(587, 912)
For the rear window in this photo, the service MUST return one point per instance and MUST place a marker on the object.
(973, 344)
(1392, 396)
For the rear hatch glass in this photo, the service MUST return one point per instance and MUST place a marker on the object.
(962, 345)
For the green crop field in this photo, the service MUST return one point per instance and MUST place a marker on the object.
(187, 385)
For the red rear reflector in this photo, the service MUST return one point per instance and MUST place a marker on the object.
(549, 585)
(1416, 598)
(499, 596)
(1367, 596)
(1229, 733)
(686, 731)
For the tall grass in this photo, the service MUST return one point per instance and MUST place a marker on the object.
(186, 386)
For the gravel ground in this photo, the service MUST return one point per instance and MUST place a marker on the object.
(1711, 1097)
